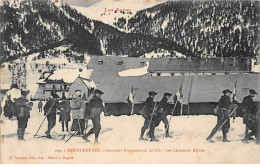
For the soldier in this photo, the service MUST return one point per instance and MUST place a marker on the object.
(222, 114)
(162, 110)
(95, 107)
(9, 107)
(64, 113)
(40, 106)
(250, 111)
(50, 111)
(22, 109)
(78, 106)
(147, 113)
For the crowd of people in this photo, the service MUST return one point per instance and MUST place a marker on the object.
(80, 112)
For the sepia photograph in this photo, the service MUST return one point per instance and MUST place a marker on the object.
(129, 82)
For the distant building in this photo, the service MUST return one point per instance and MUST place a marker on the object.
(199, 66)
(106, 66)
(59, 82)
(86, 86)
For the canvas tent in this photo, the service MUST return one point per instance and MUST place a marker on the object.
(201, 92)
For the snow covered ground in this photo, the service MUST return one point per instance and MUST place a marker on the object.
(119, 141)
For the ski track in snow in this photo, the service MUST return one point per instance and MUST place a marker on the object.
(189, 132)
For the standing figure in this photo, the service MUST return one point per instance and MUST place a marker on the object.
(50, 111)
(40, 106)
(22, 109)
(162, 110)
(78, 106)
(9, 107)
(95, 107)
(222, 115)
(64, 113)
(147, 113)
(250, 112)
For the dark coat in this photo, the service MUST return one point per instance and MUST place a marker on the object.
(8, 108)
(148, 108)
(40, 104)
(248, 105)
(65, 111)
(95, 106)
(51, 107)
(224, 104)
(22, 108)
(163, 107)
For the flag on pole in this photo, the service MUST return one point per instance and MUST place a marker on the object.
(234, 92)
(179, 95)
(130, 99)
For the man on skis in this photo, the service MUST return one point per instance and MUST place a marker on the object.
(249, 109)
(148, 113)
(50, 111)
(95, 107)
(222, 115)
(22, 109)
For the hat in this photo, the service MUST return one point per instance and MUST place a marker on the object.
(24, 93)
(167, 94)
(227, 91)
(151, 93)
(54, 95)
(98, 91)
(252, 91)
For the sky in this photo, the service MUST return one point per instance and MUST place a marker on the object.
(87, 3)
(82, 3)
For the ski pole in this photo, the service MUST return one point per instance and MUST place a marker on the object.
(171, 117)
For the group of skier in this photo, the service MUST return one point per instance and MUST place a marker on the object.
(155, 113)
(152, 112)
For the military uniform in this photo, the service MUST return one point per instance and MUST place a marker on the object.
(95, 107)
(146, 113)
(222, 115)
(161, 113)
(9, 108)
(65, 114)
(50, 110)
(78, 106)
(249, 109)
(40, 106)
(22, 109)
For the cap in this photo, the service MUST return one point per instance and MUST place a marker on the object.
(252, 91)
(167, 94)
(227, 91)
(98, 91)
(151, 93)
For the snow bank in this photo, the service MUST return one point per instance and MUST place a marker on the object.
(134, 71)
(69, 75)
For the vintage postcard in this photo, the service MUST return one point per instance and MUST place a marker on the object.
(129, 82)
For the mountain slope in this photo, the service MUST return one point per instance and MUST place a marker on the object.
(31, 26)
(207, 28)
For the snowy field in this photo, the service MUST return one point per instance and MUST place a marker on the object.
(119, 143)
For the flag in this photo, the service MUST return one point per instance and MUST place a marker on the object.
(130, 99)
(179, 95)
(234, 92)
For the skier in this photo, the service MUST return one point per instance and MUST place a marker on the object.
(50, 110)
(9, 107)
(222, 115)
(95, 107)
(147, 113)
(22, 109)
(64, 113)
(163, 108)
(40, 106)
(249, 119)
(78, 106)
